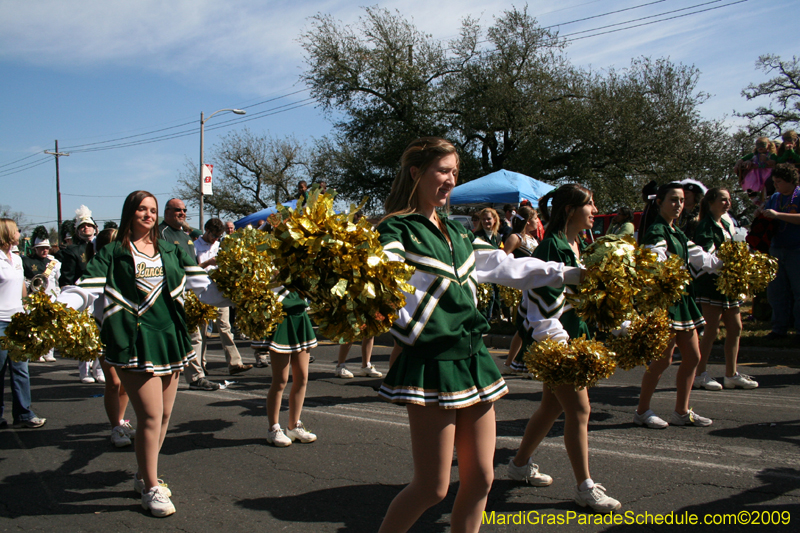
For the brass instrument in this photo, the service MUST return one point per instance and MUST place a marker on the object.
(38, 283)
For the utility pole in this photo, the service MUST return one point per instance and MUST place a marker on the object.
(58, 154)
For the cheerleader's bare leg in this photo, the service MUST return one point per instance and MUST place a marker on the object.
(712, 314)
(115, 397)
(297, 394)
(539, 425)
(475, 444)
(733, 332)
(690, 358)
(280, 377)
(433, 433)
(652, 376)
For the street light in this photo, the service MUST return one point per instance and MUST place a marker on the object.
(202, 132)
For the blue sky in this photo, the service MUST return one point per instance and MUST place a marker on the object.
(88, 71)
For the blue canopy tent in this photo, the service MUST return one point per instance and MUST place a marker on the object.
(251, 220)
(501, 187)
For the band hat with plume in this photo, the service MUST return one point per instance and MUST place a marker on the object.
(41, 237)
(694, 186)
(83, 215)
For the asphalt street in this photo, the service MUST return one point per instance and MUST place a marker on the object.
(67, 476)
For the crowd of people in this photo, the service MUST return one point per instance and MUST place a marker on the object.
(133, 280)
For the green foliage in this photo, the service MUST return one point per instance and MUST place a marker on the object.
(507, 97)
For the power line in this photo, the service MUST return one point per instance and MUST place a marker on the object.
(656, 21)
(22, 159)
(15, 170)
(605, 14)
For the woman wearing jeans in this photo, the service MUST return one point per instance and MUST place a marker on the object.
(12, 290)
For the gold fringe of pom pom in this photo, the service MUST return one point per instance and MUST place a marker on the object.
(245, 275)
(579, 364)
(623, 279)
(744, 273)
(511, 297)
(48, 325)
(662, 284)
(484, 295)
(197, 313)
(646, 340)
(354, 291)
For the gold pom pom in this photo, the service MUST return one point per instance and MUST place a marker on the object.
(48, 325)
(511, 297)
(662, 284)
(648, 336)
(354, 291)
(197, 313)
(579, 364)
(744, 273)
(79, 337)
(484, 295)
(245, 275)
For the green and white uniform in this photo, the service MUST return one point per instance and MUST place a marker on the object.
(666, 240)
(444, 361)
(143, 324)
(295, 333)
(544, 312)
(709, 235)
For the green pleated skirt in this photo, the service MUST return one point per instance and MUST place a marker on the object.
(445, 384)
(160, 347)
(294, 334)
(705, 288)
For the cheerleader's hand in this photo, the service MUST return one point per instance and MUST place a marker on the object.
(770, 213)
(622, 331)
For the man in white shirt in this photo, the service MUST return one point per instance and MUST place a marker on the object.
(206, 247)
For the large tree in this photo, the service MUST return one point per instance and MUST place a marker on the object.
(783, 90)
(251, 172)
(508, 98)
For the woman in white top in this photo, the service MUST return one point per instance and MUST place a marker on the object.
(12, 290)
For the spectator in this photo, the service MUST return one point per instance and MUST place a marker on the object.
(171, 230)
(622, 224)
(783, 292)
(207, 247)
(12, 290)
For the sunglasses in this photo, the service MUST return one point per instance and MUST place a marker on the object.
(179, 210)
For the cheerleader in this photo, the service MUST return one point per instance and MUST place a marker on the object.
(141, 280)
(548, 316)
(521, 243)
(289, 345)
(443, 373)
(660, 233)
(711, 232)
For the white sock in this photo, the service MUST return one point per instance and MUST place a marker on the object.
(586, 485)
(275, 427)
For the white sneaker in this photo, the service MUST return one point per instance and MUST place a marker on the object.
(129, 430)
(299, 433)
(119, 438)
(277, 438)
(689, 419)
(596, 499)
(99, 376)
(741, 381)
(370, 372)
(138, 486)
(649, 419)
(87, 379)
(49, 357)
(157, 502)
(704, 381)
(342, 372)
(529, 474)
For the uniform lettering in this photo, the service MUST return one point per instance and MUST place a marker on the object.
(143, 271)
